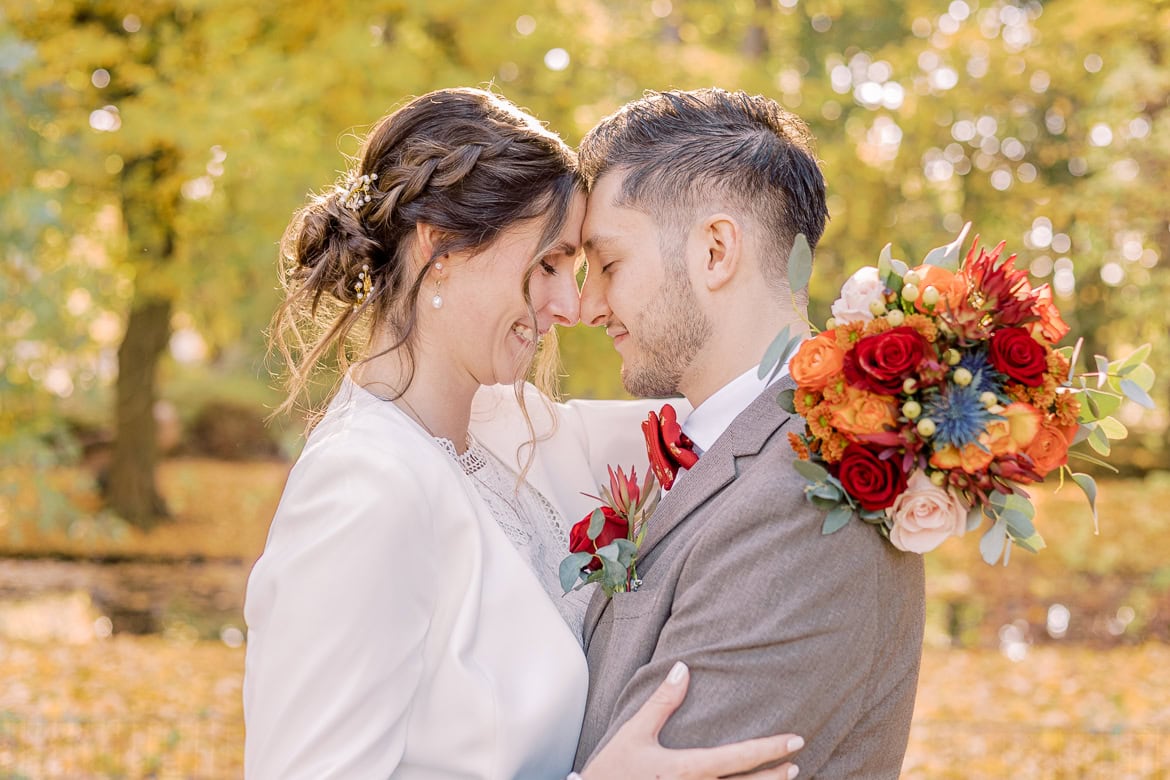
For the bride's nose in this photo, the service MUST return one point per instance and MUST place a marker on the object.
(564, 304)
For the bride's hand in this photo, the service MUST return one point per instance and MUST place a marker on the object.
(634, 751)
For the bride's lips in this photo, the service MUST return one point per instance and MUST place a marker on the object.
(524, 333)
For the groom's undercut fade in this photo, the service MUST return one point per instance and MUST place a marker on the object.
(678, 148)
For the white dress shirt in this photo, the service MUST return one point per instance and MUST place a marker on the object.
(712, 417)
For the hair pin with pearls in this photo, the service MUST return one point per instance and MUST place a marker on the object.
(361, 288)
(356, 192)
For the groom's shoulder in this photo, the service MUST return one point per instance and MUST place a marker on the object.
(767, 501)
(771, 470)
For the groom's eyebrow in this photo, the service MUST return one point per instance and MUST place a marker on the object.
(600, 243)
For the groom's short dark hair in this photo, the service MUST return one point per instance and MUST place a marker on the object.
(673, 146)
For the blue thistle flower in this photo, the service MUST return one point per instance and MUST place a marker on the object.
(984, 377)
(958, 415)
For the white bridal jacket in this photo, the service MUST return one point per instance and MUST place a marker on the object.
(394, 630)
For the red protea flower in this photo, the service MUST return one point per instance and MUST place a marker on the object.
(1000, 292)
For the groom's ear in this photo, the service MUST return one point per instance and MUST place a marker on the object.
(722, 243)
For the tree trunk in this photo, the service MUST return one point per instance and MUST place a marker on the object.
(148, 212)
(131, 488)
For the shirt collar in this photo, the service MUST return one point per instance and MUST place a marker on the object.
(711, 418)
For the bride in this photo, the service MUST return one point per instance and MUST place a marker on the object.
(405, 619)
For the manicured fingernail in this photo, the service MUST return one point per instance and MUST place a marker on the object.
(677, 672)
(794, 744)
(793, 771)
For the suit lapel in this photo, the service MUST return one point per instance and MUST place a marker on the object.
(716, 469)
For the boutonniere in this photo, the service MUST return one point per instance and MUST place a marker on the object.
(667, 446)
(604, 545)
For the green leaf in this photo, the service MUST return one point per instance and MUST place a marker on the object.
(1127, 364)
(1016, 512)
(613, 575)
(974, 518)
(1114, 428)
(1033, 544)
(799, 264)
(617, 553)
(627, 551)
(570, 570)
(1098, 440)
(826, 491)
(884, 265)
(1136, 394)
(1142, 376)
(947, 256)
(779, 351)
(1072, 358)
(596, 523)
(813, 472)
(1013, 502)
(991, 546)
(786, 399)
(1102, 369)
(836, 519)
(825, 504)
(1093, 460)
(1100, 404)
(1089, 485)
(900, 269)
(772, 354)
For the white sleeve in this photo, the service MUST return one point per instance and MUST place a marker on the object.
(337, 609)
(612, 430)
(575, 441)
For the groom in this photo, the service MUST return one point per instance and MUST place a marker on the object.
(695, 199)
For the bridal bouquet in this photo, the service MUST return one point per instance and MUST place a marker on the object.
(937, 393)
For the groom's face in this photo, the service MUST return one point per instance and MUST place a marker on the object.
(638, 289)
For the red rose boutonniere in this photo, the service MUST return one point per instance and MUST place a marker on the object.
(667, 446)
(604, 545)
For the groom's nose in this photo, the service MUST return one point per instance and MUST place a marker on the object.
(594, 306)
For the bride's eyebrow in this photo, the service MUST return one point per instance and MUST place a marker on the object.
(563, 248)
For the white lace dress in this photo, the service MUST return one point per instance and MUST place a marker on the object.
(536, 529)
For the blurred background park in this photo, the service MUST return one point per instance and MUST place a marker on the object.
(154, 151)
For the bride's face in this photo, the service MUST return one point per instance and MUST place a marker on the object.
(484, 323)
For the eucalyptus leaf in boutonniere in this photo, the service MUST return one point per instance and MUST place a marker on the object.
(604, 545)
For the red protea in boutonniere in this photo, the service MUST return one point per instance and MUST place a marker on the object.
(604, 544)
(667, 446)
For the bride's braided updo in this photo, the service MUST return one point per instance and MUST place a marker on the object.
(467, 162)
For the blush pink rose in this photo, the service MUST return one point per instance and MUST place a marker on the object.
(925, 515)
(862, 289)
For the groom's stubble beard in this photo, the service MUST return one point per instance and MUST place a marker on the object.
(670, 332)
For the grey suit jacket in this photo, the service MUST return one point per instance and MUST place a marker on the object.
(784, 629)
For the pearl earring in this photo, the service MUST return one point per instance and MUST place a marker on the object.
(437, 300)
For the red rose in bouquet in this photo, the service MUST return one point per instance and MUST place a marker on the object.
(1014, 352)
(616, 527)
(874, 482)
(882, 361)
